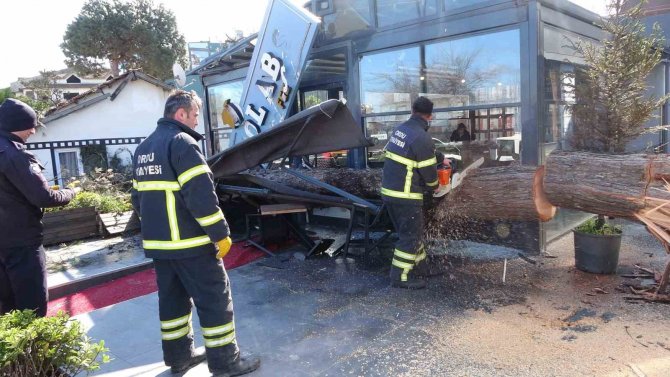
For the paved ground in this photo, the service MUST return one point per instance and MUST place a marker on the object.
(333, 317)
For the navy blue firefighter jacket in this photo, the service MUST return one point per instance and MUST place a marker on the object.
(410, 167)
(23, 193)
(173, 193)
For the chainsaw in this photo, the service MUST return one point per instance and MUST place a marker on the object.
(447, 176)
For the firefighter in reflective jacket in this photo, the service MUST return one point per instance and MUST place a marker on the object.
(410, 169)
(186, 233)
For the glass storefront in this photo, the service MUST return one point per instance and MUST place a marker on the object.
(469, 84)
(390, 80)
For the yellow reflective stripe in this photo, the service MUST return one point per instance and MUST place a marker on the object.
(192, 172)
(172, 215)
(428, 162)
(211, 219)
(172, 335)
(434, 183)
(404, 255)
(400, 264)
(402, 195)
(157, 186)
(403, 160)
(175, 322)
(220, 342)
(174, 245)
(408, 180)
(218, 330)
(135, 184)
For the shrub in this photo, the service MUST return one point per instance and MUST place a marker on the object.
(51, 346)
(103, 203)
(592, 226)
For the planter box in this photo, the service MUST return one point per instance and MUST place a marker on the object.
(69, 225)
(119, 222)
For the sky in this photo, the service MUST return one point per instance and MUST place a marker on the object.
(34, 29)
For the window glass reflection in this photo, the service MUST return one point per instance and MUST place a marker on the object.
(349, 16)
(390, 80)
(483, 69)
(217, 96)
(391, 12)
(455, 4)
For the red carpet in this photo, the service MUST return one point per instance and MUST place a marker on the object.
(135, 285)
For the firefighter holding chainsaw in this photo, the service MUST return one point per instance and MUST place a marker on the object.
(410, 169)
(186, 234)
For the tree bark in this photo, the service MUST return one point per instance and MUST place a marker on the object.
(611, 185)
(510, 192)
(362, 183)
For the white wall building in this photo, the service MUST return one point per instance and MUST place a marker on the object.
(66, 82)
(101, 127)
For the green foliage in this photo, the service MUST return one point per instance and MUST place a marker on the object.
(131, 34)
(41, 347)
(594, 226)
(38, 105)
(612, 105)
(104, 203)
(5, 93)
(105, 190)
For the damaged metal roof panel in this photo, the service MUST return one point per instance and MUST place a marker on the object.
(323, 128)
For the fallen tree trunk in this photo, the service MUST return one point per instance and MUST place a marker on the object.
(510, 192)
(611, 185)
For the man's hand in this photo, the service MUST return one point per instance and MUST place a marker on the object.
(224, 247)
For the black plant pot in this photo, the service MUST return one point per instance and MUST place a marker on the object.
(598, 254)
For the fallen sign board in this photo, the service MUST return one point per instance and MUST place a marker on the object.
(274, 71)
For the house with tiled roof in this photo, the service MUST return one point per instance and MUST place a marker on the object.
(67, 82)
(100, 127)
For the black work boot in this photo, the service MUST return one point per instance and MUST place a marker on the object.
(412, 281)
(426, 269)
(242, 365)
(196, 359)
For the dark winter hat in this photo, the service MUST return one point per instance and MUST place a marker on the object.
(422, 105)
(17, 116)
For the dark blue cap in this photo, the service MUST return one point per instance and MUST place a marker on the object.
(17, 116)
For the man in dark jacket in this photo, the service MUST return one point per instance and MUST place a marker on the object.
(410, 169)
(23, 193)
(460, 134)
(186, 233)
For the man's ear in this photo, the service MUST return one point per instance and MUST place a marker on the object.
(180, 114)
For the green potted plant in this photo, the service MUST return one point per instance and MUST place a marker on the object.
(611, 108)
(46, 347)
(597, 246)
